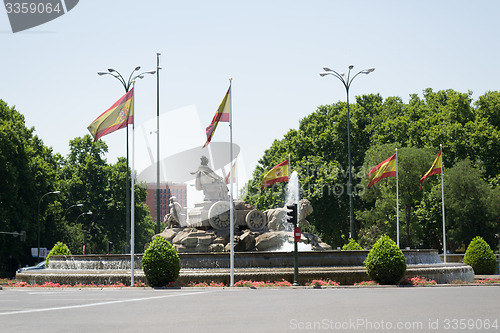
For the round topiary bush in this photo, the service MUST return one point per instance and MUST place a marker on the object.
(59, 249)
(161, 263)
(480, 257)
(351, 246)
(385, 263)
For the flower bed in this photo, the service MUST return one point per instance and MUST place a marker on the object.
(414, 281)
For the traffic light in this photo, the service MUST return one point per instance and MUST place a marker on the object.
(291, 214)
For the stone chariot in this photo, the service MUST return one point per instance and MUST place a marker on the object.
(214, 210)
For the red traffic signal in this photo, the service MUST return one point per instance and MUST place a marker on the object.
(296, 234)
(291, 214)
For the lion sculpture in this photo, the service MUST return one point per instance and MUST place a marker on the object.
(276, 217)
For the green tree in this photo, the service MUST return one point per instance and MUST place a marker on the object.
(28, 170)
(101, 187)
(381, 217)
(472, 208)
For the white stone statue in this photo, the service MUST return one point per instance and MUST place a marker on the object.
(176, 216)
(213, 186)
(276, 217)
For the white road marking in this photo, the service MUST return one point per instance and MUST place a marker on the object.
(102, 303)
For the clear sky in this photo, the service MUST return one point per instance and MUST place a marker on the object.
(272, 49)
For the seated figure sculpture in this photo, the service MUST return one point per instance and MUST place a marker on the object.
(213, 186)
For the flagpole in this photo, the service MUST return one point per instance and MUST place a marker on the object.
(231, 203)
(397, 199)
(236, 177)
(442, 201)
(158, 215)
(132, 201)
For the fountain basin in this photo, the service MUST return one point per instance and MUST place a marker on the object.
(345, 267)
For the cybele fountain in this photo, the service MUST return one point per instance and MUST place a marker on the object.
(263, 245)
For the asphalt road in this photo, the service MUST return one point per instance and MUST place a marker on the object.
(403, 309)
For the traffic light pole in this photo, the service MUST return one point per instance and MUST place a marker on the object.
(295, 263)
(292, 218)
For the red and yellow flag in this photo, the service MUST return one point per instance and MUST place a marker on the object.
(228, 179)
(222, 114)
(119, 115)
(383, 170)
(436, 168)
(278, 173)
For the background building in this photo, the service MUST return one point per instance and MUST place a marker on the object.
(167, 191)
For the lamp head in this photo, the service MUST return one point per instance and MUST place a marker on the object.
(327, 69)
(137, 68)
(351, 66)
(111, 70)
(367, 71)
(56, 192)
(101, 73)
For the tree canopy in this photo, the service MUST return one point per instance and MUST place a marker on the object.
(469, 131)
(87, 183)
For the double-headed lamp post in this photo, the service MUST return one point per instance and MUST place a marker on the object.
(126, 85)
(39, 202)
(347, 84)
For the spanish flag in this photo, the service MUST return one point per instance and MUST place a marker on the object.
(228, 179)
(222, 114)
(436, 168)
(119, 115)
(278, 173)
(383, 170)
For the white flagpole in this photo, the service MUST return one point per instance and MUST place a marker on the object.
(231, 202)
(442, 201)
(397, 199)
(132, 203)
(236, 177)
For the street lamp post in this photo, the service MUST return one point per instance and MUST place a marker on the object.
(39, 202)
(347, 84)
(126, 85)
(72, 206)
(86, 231)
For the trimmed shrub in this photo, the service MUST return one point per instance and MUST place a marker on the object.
(480, 257)
(351, 246)
(385, 263)
(161, 263)
(59, 249)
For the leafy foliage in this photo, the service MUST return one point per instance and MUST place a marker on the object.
(59, 249)
(480, 257)
(29, 170)
(318, 149)
(101, 187)
(161, 263)
(385, 263)
(351, 246)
